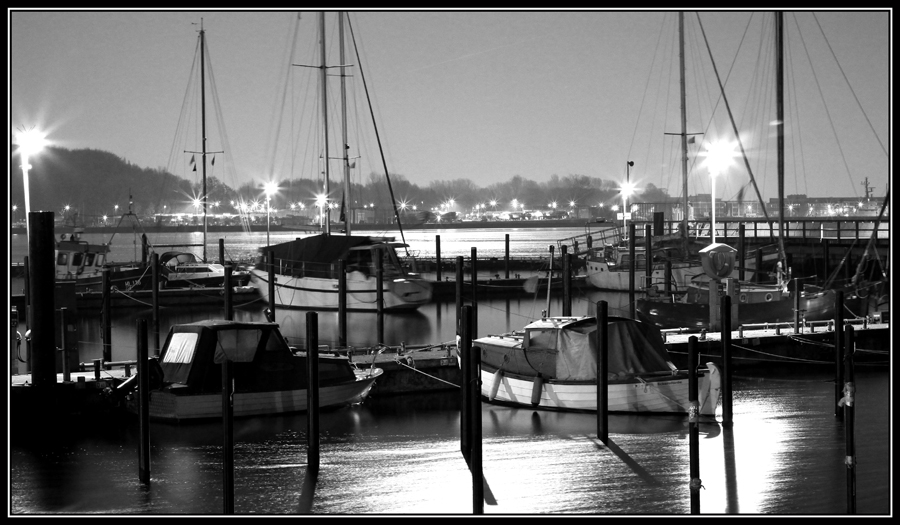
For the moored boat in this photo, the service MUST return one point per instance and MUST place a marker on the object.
(269, 377)
(184, 270)
(552, 364)
(306, 274)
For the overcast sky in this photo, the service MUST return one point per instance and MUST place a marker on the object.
(477, 95)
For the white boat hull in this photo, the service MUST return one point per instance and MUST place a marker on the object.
(605, 277)
(167, 406)
(362, 291)
(660, 394)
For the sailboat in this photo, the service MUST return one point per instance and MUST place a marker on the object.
(305, 271)
(755, 303)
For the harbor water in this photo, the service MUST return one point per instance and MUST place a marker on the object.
(400, 455)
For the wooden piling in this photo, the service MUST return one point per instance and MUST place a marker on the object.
(797, 293)
(437, 256)
(154, 283)
(227, 437)
(741, 250)
(143, 395)
(379, 296)
(838, 352)
(229, 300)
(474, 323)
(549, 280)
(603, 372)
(271, 268)
(848, 403)
(41, 316)
(64, 344)
(694, 426)
(473, 363)
(459, 291)
(506, 256)
(567, 282)
(631, 269)
(107, 315)
(312, 391)
(222, 252)
(648, 257)
(464, 348)
(342, 303)
(727, 414)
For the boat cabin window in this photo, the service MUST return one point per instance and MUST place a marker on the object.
(181, 348)
(89, 259)
(101, 258)
(238, 345)
(545, 339)
(77, 257)
(62, 259)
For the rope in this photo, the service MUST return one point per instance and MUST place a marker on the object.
(423, 373)
(689, 410)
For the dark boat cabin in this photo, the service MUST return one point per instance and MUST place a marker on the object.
(262, 360)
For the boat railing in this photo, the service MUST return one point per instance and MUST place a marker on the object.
(331, 270)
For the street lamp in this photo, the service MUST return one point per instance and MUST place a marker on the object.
(30, 143)
(718, 157)
(270, 188)
(627, 189)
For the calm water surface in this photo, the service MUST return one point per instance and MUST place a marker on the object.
(401, 455)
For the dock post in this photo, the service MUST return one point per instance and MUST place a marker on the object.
(742, 250)
(506, 257)
(694, 424)
(473, 330)
(727, 415)
(838, 352)
(342, 303)
(228, 437)
(797, 293)
(154, 282)
(472, 361)
(602, 372)
(437, 257)
(143, 395)
(567, 282)
(312, 391)
(847, 402)
(64, 344)
(271, 268)
(222, 252)
(464, 349)
(41, 262)
(229, 300)
(107, 316)
(648, 257)
(631, 269)
(459, 292)
(379, 296)
(549, 280)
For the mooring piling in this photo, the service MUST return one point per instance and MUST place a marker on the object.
(271, 268)
(694, 426)
(379, 296)
(848, 404)
(227, 436)
(727, 415)
(437, 256)
(312, 391)
(632, 305)
(471, 361)
(342, 303)
(143, 395)
(229, 300)
(474, 323)
(154, 283)
(602, 372)
(838, 352)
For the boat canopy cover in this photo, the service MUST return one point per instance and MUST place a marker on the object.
(176, 258)
(567, 350)
(317, 248)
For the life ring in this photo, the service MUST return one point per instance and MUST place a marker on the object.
(768, 297)
(743, 298)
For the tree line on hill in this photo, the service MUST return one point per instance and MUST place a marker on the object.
(94, 182)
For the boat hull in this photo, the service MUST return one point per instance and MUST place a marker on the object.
(322, 293)
(168, 406)
(660, 394)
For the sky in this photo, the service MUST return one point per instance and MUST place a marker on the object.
(480, 95)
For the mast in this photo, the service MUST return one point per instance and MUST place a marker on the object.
(327, 211)
(346, 202)
(203, 128)
(779, 124)
(684, 158)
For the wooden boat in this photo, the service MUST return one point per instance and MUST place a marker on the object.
(184, 270)
(306, 274)
(269, 376)
(81, 263)
(552, 364)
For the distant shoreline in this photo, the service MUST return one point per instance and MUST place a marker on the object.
(337, 227)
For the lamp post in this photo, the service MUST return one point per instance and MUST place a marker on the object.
(718, 157)
(30, 143)
(270, 188)
(627, 189)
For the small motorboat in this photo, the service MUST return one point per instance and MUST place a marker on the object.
(552, 364)
(185, 270)
(269, 376)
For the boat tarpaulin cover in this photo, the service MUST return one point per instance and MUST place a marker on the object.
(634, 348)
(316, 249)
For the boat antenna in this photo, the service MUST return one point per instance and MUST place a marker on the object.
(378, 138)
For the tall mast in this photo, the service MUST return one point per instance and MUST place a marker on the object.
(779, 124)
(346, 202)
(327, 211)
(203, 128)
(684, 159)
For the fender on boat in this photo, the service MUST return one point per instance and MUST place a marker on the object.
(498, 378)
(536, 390)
